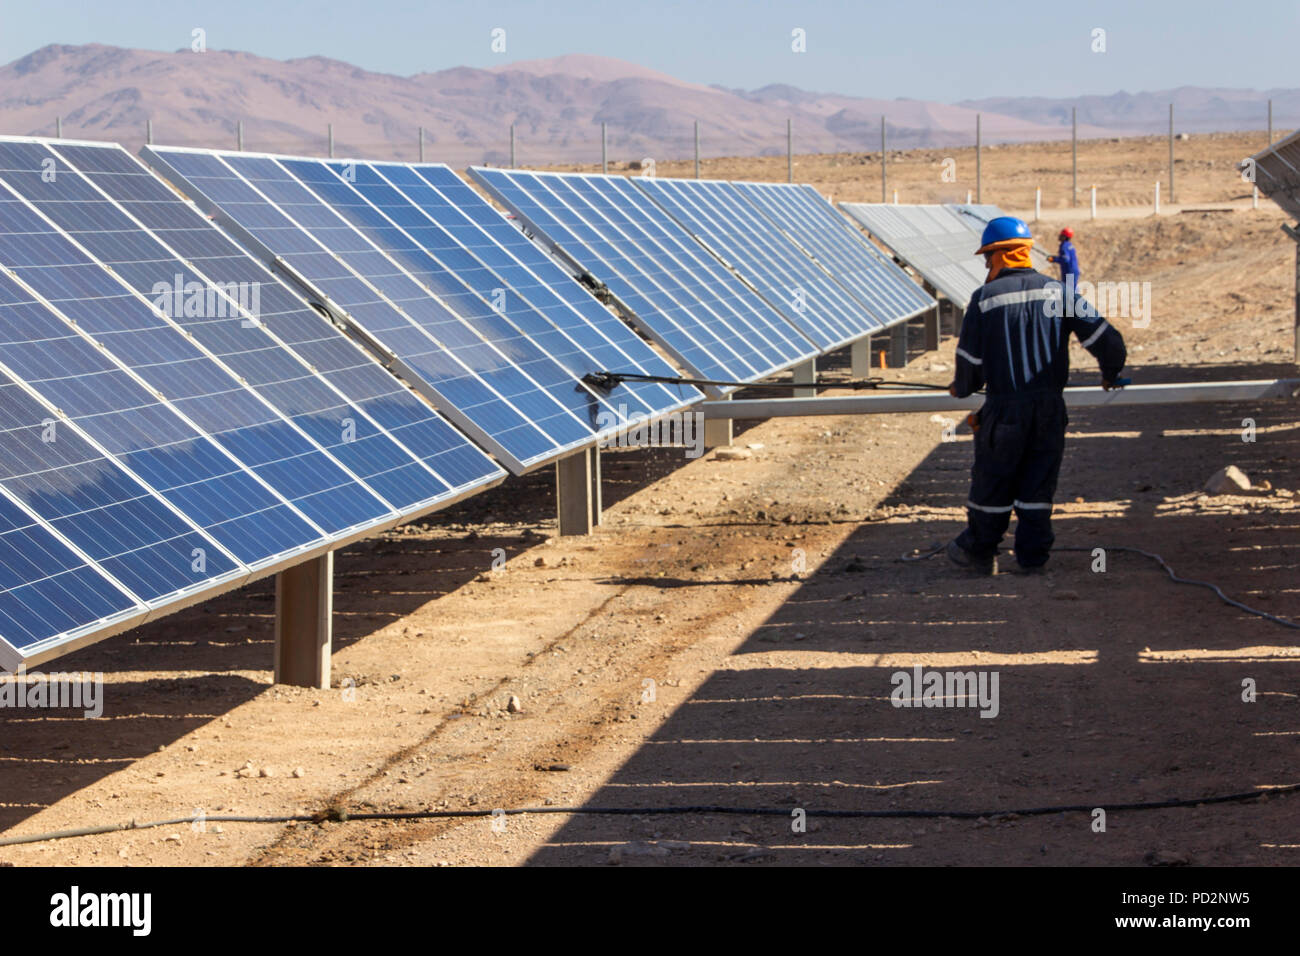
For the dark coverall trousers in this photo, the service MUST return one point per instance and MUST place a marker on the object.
(1018, 450)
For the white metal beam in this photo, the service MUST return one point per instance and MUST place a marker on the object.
(937, 401)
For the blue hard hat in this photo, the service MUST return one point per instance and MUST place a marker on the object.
(1003, 227)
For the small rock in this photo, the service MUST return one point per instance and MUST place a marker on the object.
(622, 850)
(267, 772)
(515, 706)
(299, 772)
(172, 838)
(1228, 481)
(731, 453)
(755, 446)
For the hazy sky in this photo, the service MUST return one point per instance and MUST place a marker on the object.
(945, 51)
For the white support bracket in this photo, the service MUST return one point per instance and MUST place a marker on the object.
(717, 429)
(860, 358)
(304, 623)
(805, 374)
(577, 492)
(898, 346)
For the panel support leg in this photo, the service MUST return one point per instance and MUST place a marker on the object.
(597, 503)
(860, 358)
(717, 432)
(805, 374)
(573, 493)
(898, 346)
(304, 625)
(932, 329)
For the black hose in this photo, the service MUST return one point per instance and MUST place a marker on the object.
(337, 815)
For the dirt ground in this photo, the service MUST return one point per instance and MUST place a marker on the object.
(729, 636)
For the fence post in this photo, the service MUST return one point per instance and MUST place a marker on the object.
(58, 127)
(789, 150)
(421, 144)
(1171, 153)
(1094, 202)
(604, 149)
(979, 192)
(331, 135)
(239, 135)
(512, 146)
(1038, 203)
(148, 132)
(1157, 197)
(1074, 157)
(884, 179)
(697, 149)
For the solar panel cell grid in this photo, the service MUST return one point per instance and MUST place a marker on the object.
(803, 214)
(678, 293)
(792, 283)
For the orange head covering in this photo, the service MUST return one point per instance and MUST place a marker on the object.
(1008, 254)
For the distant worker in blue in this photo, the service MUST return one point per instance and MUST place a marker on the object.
(1014, 343)
(1067, 259)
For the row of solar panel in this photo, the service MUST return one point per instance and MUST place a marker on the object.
(938, 241)
(178, 419)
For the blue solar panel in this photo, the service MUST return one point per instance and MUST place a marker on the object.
(676, 292)
(332, 355)
(813, 223)
(47, 591)
(802, 291)
(451, 222)
(51, 469)
(339, 417)
(174, 365)
(458, 329)
(135, 427)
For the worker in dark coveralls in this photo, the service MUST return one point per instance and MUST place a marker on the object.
(1014, 343)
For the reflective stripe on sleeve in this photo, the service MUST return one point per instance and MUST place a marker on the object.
(970, 358)
(1096, 335)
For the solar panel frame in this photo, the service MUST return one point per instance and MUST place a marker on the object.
(161, 158)
(750, 244)
(643, 295)
(829, 239)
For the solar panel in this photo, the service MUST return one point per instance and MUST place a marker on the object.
(481, 350)
(792, 283)
(670, 287)
(151, 456)
(812, 222)
(383, 414)
(932, 239)
(1277, 173)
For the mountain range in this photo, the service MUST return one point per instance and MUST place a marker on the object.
(556, 106)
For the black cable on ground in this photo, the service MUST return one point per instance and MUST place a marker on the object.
(337, 815)
(1173, 576)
